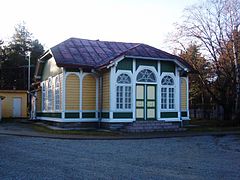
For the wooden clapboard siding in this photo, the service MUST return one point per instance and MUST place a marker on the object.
(72, 92)
(39, 100)
(183, 94)
(106, 90)
(89, 93)
(99, 95)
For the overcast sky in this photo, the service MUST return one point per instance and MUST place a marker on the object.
(53, 21)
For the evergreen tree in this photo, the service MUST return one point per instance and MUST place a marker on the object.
(14, 69)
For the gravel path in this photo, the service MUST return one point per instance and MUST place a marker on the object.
(203, 157)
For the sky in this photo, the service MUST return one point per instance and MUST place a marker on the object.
(53, 21)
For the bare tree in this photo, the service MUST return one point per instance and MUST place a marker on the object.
(214, 26)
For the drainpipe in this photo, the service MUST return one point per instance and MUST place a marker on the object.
(180, 97)
(180, 100)
(100, 95)
(101, 100)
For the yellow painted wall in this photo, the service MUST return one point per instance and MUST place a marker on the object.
(7, 103)
(39, 100)
(89, 93)
(72, 92)
(99, 95)
(183, 94)
(50, 69)
(106, 90)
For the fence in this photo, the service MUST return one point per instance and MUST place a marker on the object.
(209, 112)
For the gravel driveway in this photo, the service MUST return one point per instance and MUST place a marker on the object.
(203, 157)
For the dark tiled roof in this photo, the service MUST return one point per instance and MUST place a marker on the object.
(76, 52)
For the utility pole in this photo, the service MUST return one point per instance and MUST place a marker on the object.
(29, 81)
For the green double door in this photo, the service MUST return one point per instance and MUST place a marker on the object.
(145, 102)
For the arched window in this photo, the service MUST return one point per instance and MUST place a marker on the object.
(146, 75)
(124, 92)
(57, 93)
(49, 94)
(123, 79)
(167, 80)
(167, 93)
(44, 96)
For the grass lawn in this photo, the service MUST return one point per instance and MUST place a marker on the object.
(92, 132)
(212, 125)
(194, 126)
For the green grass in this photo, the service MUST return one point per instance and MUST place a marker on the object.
(195, 126)
(212, 125)
(75, 132)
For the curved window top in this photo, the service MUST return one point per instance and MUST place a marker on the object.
(123, 79)
(146, 75)
(57, 81)
(49, 82)
(43, 86)
(167, 80)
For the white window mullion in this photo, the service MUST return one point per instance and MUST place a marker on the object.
(171, 98)
(57, 94)
(167, 93)
(164, 97)
(50, 94)
(43, 96)
(123, 92)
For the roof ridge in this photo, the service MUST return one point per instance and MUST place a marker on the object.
(122, 53)
(101, 40)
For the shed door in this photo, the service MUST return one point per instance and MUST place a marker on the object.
(17, 106)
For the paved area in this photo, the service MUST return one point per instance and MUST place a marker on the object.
(200, 157)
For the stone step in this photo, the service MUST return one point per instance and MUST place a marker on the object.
(150, 126)
(153, 125)
(152, 130)
(147, 122)
(155, 128)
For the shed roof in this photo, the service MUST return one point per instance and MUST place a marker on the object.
(75, 52)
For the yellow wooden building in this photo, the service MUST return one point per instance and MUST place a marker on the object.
(14, 105)
(83, 80)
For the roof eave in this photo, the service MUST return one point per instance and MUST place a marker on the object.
(40, 62)
(161, 59)
(116, 60)
(75, 66)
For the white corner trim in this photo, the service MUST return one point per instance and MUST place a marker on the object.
(114, 62)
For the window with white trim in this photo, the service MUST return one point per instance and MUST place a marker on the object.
(43, 96)
(164, 98)
(57, 93)
(167, 93)
(49, 104)
(124, 92)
